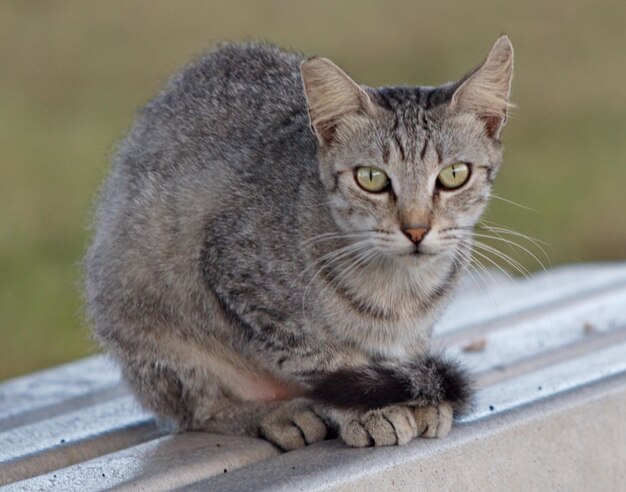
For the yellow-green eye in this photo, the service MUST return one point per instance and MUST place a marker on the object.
(454, 176)
(371, 179)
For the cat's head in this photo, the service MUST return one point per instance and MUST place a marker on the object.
(407, 170)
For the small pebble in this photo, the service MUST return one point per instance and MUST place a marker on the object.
(475, 345)
(588, 328)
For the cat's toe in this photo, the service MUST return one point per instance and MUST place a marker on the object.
(312, 427)
(379, 428)
(382, 427)
(403, 420)
(434, 421)
(293, 426)
(285, 435)
(354, 434)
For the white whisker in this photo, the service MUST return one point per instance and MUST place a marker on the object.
(511, 202)
(512, 243)
(504, 257)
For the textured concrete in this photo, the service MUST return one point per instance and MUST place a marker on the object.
(30, 398)
(162, 464)
(63, 440)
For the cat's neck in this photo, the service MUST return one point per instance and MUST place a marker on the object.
(389, 306)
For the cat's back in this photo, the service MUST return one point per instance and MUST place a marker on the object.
(238, 98)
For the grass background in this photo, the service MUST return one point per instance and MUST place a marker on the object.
(72, 74)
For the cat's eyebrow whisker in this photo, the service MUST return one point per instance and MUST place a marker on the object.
(512, 243)
(511, 202)
(506, 258)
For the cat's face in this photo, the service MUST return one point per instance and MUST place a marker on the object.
(408, 171)
(412, 180)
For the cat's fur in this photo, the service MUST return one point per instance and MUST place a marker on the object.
(247, 285)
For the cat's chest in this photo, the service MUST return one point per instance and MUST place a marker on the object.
(386, 312)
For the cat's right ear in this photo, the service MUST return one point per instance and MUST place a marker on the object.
(336, 103)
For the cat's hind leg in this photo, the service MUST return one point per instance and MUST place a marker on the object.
(196, 402)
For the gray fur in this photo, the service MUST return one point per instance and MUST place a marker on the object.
(213, 276)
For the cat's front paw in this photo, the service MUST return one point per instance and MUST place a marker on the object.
(293, 425)
(386, 426)
(433, 421)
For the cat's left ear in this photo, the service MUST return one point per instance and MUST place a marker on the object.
(337, 105)
(485, 91)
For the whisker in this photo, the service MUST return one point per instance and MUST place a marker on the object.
(504, 257)
(335, 235)
(330, 258)
(512, 243)
(490, 260)
(484, 269)
(352, 264)
(511, 202)
(466, 263)
(340, 254)
(534, 241)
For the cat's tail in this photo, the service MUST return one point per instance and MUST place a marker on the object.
(429, 380)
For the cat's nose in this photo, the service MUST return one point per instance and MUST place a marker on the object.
(416, 234)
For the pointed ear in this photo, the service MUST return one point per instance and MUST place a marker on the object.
(333, 98)
(485, 91)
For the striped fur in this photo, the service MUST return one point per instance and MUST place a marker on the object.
(236, 262)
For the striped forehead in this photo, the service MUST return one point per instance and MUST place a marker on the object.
(411, 132)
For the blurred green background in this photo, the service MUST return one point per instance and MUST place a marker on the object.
(72, 74)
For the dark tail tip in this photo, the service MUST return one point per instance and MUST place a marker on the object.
(431, 379)
(457, 385)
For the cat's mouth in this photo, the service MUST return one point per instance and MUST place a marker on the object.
(418, 252)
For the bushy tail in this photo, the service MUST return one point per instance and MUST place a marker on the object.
(431, 379)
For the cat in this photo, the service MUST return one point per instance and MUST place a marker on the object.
(275, 242)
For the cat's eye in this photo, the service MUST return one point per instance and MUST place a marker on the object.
(454, 176)
(371, 179)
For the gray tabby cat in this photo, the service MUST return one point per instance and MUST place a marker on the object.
(275, 242)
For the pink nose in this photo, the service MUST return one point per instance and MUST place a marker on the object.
(416, 234)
